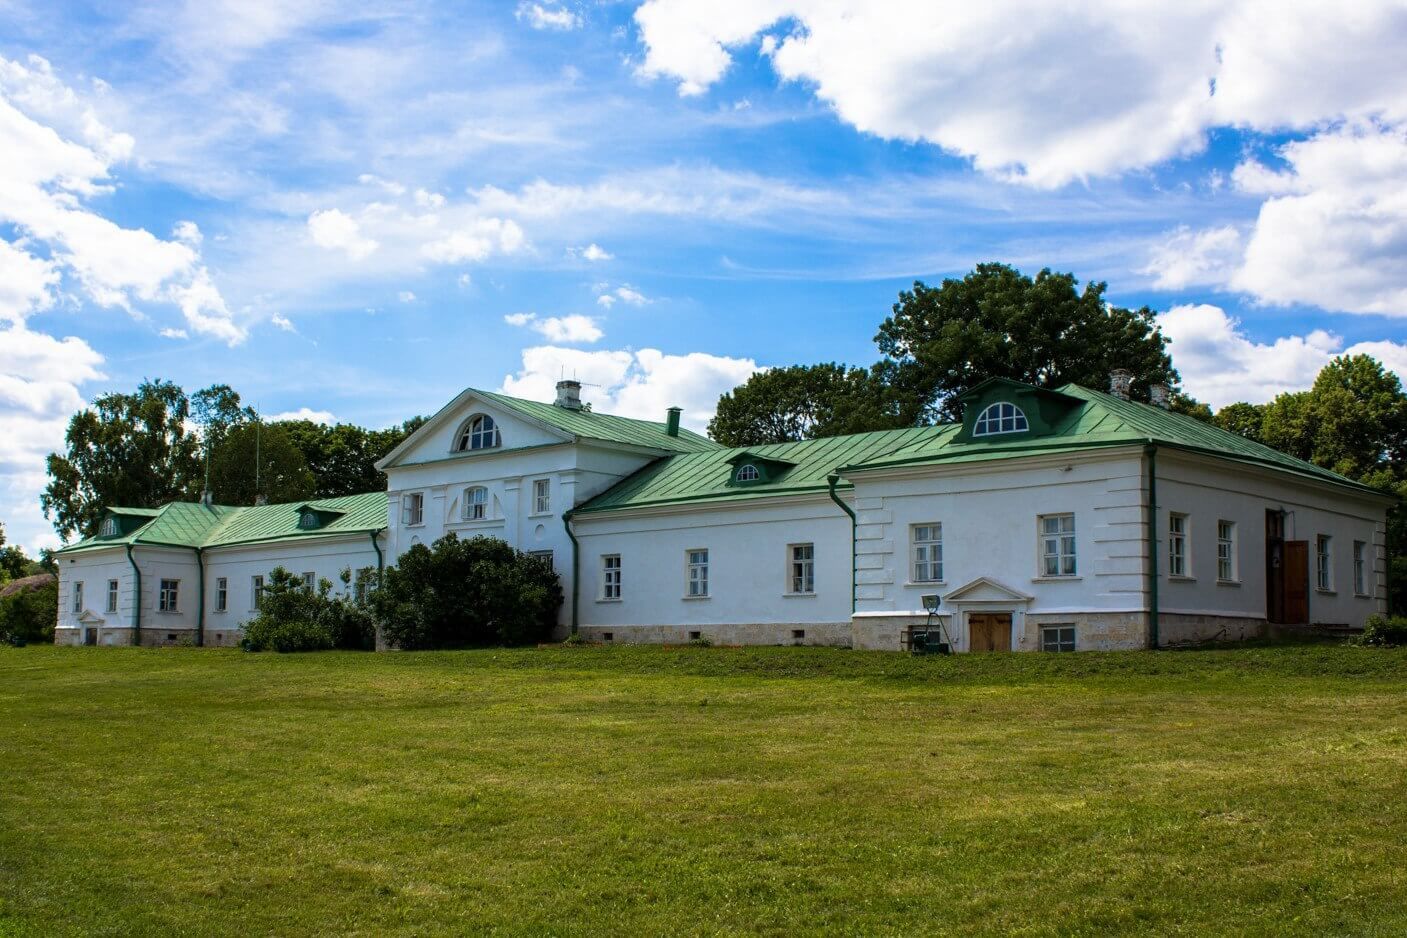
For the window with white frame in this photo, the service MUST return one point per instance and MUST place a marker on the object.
(413, 508)
(256, 584)
(308, 521)
(112, 589)
(748, 473)
(926, 551)
(479, 433)
(1001, 417)
(1057, 638)
(476, 503)
(542, 496)
(166, 600)
(545, 556)
(610, 576)
(1324, 565)
(310, 581)
(697, 562)
(1057, 545)
(109, 527)
(801, 577)
(78, 596)
(1226, 551)
(1177, 544)
(1360, 568)
(222, 594)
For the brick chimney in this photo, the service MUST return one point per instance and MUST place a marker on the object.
(568, 395)
(1160, 396)
(1120, 383)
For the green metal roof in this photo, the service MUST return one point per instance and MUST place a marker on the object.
(691, 477)
(187, 524)
(1097, 420)
(607, 427)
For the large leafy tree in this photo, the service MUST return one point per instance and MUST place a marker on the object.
(998, 322)
(13, 563)
(803, 402)
(127, 449)
(259, 460)
(342, 458)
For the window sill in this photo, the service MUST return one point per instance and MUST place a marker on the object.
(1181, 578)
(539, 514)
(1323, 592)
(475, 523)
(1358, 595)
(1056, 579)
(924, 584)
(168, 612)
(608, 600)
(694, 599)
(1228, 582)
(811, 595)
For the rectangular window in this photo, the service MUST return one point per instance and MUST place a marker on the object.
(476, 503)
(78, 596)
(1360, 568)
(1177, 544)
(257, 591)
(697, 561)
(166, 602)
(1324, 567)
(610, 577)
(926, 548)
(1057, 638)
(1226, 551)
(222, 594)
(1057, 545)
(413, 508)
(310, 581)
(802, 575)
(544, 555)
(112, 588)
(542, 496)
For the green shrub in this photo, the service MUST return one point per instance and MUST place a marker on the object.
(293, 617)
(29, 615)
(700, 642)
(1384, 630)
(459, 594)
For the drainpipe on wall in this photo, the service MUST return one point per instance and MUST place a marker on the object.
(380, 561)
(576, 566)
(1152, 451)
(137, 598)
(831, 481)
(200, 616)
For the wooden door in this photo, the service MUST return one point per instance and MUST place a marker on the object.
(1275, 566)
(989, 631)
(1296, 576)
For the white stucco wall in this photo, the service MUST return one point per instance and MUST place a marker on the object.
(324, 557)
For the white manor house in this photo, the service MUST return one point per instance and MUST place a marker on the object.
(1050, 520)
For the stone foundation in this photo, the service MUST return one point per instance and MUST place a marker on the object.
(151, 638)
(1176, 628)
(886, 633)
(811, 633)
(1094, 631)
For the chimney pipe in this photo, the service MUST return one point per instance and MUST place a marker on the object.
(1160, 396)
(671, 423)
(1120, 383)
(568, 394)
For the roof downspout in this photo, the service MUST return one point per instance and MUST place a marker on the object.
(576, 565)
(1152, 451)
(200, 616)
(831, 481)
(136, 599)
(380, 560)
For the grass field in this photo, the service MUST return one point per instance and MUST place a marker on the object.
(691, 790)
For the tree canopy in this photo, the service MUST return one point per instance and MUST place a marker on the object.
(803, 402)
(257, 460)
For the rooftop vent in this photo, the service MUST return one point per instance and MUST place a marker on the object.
(569, 395)
(671, 423)
(1120, 382)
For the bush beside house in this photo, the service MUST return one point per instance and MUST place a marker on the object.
(295, 617)
(29, 608)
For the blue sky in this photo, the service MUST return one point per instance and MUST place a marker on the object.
(359, 211)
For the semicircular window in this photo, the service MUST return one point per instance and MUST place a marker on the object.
(748, 473)
(479, 433)
(1001, 417)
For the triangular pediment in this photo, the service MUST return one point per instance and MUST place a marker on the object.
(986, 590)
(89, 617)
(439, 436)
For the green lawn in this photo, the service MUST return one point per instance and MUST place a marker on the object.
(580, 790)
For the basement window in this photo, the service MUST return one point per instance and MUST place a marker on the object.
(798, 635)
(608, 636)
(1057, 638)
(695, 636)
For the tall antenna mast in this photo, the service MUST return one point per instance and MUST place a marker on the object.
(258, 434)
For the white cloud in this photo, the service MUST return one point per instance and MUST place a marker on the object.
(1098, 88)
(26, 283)
(282, 322)
(304, 413)
(592, 252)
(1220, 364)
(57, 155)
(335, 230)
(573, 328)
(641, 384)
(1186, 257)
(547, 16)
(188, 233)
(624, 293)
(606, 300)
(174, 334)
(406, 296)
(477, 240)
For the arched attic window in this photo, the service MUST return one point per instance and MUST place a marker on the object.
(479, 433)
(109, 527)
(1001, 417)
(747, 472)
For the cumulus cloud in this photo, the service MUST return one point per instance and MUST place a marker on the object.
(174, 334)
(547, 16)
(1186, 257)
(641, 383)
(335, 230)
(303, 413)
(282, 322)
(573, 328)
(624, 293)
(1146, 85)
(1220, 364)
(592, 252)
(476, 241)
